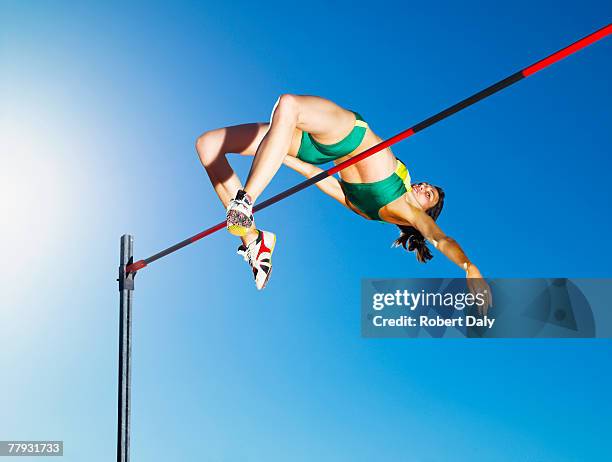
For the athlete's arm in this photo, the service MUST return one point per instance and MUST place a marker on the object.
(330, 185)
(451, 249)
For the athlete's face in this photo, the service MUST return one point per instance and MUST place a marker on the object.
(426, 195)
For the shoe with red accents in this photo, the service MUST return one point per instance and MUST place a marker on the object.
(258, 254)
(239, 214)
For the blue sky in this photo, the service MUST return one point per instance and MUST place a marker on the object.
(101, 105)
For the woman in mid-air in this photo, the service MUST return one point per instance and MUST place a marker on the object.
(308, 130)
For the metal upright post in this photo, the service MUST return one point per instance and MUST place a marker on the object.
(126, 287)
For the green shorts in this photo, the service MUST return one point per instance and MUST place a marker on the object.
(371, 197)
(313, 152)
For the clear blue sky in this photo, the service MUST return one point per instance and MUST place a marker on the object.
(101, 105)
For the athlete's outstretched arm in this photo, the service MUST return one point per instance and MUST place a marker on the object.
(451, 249)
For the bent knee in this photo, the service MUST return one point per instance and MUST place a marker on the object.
(208, 146)
(287, 105)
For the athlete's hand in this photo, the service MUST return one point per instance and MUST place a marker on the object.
(478, 285)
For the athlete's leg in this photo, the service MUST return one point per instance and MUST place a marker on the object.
(213, 146)
(323, 119)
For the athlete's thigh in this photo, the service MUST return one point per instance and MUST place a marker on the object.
(324, 119)
(245, 139)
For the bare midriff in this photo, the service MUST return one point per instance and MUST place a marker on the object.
(374, 168)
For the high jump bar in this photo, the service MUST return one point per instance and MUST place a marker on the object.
(496, 87)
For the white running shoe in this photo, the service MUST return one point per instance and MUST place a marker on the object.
(258, 254)
(239, 214)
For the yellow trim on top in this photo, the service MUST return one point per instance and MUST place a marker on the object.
(403, 173)
(361, 123)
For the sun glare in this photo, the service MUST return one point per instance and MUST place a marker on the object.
(33, 203)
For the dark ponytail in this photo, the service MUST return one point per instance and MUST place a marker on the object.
(412, 240)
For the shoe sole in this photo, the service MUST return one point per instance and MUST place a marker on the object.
(238, 223)
(273, 245)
